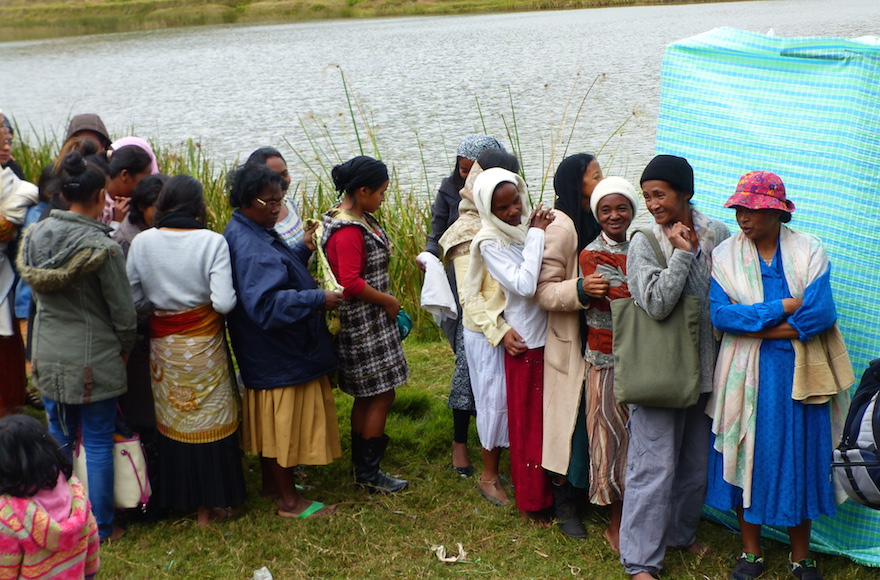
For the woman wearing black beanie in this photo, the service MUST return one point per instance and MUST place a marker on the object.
(669, 448)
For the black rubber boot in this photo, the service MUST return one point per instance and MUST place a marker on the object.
(366, 454)
(565, 510)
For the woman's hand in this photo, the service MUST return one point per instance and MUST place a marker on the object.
(541, 218)
(309, 237)
(514, 343)
(790, 305)
(679, 236)
(392, 306)
(595, 285)
(120, 208)
(420, 264)
(332, 300)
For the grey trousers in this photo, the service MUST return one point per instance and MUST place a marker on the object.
(666, 483)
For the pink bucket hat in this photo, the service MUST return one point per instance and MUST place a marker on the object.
(760, 190)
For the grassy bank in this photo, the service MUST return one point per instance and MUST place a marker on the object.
(31, 19)
(392, 536)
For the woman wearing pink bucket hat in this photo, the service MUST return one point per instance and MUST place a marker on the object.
(770, 296)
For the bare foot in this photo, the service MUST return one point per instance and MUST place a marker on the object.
(115, 534)
(699, 549)
(224, 513)
(613, 539)
(643, 576)
(538, 518)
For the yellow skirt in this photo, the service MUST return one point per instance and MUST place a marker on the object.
(295, 425)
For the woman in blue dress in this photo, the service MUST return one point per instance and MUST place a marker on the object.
(772, 418)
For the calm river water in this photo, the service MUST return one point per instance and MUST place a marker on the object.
(419, 79)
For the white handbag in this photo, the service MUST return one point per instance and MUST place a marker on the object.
(131, 486)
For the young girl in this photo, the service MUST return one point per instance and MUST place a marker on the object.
(368, 345)
(481, 328)
(512, 255)
(603, 263)
(444, 212)
(46, 527)
(84, 327)
(127, 166)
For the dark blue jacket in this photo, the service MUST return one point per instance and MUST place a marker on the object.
(278, 330)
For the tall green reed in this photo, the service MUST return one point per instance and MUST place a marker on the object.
(406, 213)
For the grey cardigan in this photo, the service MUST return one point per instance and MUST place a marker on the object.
(85, 316)
(657, 290)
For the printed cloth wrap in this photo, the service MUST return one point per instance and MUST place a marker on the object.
(193, 391)
(368, 344)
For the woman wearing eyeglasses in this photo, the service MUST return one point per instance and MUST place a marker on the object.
(281, 342)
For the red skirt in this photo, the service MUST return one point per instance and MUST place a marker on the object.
(13, 379)
(525, 423)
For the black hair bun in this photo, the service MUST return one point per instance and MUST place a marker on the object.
(74, 163)
(340, 177)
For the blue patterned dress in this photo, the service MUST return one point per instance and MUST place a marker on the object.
(792, 464)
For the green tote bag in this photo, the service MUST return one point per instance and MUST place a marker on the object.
(656, 362)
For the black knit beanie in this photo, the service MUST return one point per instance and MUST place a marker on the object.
(675, 171)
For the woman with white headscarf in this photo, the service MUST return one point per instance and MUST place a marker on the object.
(511, 252)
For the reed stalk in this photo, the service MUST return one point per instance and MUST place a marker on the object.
(406, 214)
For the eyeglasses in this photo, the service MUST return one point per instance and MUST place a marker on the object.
(270, 203)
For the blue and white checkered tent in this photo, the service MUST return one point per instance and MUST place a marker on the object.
(807, 109)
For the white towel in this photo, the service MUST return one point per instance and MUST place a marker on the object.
(437, 295)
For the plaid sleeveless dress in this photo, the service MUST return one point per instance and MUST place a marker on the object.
(368, 344)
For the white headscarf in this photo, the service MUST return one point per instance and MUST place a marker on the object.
(492, 228)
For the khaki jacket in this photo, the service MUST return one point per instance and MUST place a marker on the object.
(85, 316)
(564, 366)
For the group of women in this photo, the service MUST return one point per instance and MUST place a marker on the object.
(533, 342)
(534, 346)
(132, 296)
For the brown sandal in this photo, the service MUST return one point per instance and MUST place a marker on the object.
(495, 494)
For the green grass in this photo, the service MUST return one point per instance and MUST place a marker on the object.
(385, 536)
(30, 19)
(376, 536)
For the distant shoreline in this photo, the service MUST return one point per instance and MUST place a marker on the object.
(43, 19)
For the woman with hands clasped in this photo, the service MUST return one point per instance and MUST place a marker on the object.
(479, 356)
(603, 263)
(511, 252)
(668, 448)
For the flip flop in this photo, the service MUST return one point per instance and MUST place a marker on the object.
(314, 507)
